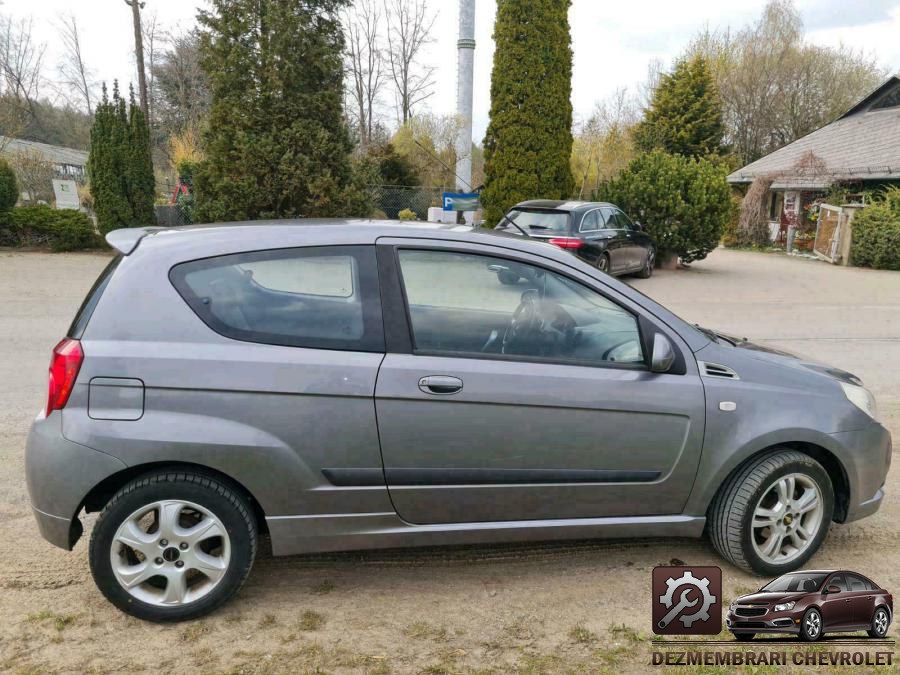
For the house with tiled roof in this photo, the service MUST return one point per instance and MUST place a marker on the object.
(858, 151)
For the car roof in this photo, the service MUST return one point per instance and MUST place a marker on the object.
(559, 205)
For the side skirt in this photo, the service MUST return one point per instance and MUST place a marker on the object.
(293, 535)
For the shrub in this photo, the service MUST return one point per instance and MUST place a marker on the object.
(60, 229)
(876, 234)
(407, 214)
(683, 203)
(9, 188)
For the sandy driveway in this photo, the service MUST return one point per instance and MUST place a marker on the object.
(532, 608)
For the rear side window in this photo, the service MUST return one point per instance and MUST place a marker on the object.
(538, 221)
(76, 330)
(321, 298)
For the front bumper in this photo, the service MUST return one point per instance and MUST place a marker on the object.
(771, 622)
(866, 455)
(60, 474)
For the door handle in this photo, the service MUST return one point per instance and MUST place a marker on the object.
(848, 600)
(440, 384)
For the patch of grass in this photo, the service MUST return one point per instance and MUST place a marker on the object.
(324, 587)
(268, 621)
(628, 633)
(422, 630)
(60, 621)
(311, 620)
(193, 632)
(582, 635)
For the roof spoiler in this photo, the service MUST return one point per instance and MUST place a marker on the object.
(127, 239)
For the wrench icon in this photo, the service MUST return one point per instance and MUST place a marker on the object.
(682, 604)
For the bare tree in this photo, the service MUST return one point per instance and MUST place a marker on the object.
(365, 65)
(152, 34)
(75, 75)
(409, 26)
(180, 84)
(136, 7)
(21, 68)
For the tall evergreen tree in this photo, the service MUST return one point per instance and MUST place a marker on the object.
(685, 114)
(528, 145)
(139, 178)
(276, 144)
(106, 164)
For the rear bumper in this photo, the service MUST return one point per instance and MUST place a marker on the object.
(60, 474)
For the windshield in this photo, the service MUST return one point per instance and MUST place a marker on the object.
(539, 221)
(803, 582)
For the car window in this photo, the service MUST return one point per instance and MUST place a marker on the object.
(609, 216)
(591, 221)
(799, 581)
(538, 220)
(624, 221)
(855, 583)
(470, 304)
(839, 581)
(323, 297)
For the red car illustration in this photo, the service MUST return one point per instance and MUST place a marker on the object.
(812, 603)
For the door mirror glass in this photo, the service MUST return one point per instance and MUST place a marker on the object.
(663, 354)
(638, 226)
(833, 589)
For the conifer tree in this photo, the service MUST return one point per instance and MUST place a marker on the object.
(139, 178)
(106, 164)
(685, 114)
(528, 145)
(276, 144)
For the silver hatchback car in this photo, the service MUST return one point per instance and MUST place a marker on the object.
(353, 384)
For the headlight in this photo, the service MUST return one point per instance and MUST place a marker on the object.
(862, 398)
(785, 607)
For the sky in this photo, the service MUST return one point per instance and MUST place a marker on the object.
(614, 41)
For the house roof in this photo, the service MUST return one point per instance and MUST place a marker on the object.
(862, 144)
(56, 154)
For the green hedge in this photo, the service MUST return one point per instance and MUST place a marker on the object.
(876, 234)
(59, 229)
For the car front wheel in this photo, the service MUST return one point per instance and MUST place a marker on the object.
(647, 270)
(772, 515)
(173, 546)
(811, 627)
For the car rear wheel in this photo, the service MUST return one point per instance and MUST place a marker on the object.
(772, 514)
(603, 263)
(811, 627)
(647, 270)
(173, 546)
(880, 623)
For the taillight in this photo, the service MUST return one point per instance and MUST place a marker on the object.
(64, 366)
(567, 242)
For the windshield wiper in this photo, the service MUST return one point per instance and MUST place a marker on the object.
(707, 332)
(507, 219)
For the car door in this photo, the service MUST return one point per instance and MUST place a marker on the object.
(637, 241)
(616, 241)
(478, 424)
(837, 610)
(592, 231)
(862, 599)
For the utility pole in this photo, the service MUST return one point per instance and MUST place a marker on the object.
(136, 8)
(465, 74)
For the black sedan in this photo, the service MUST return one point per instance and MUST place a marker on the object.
(596, 232)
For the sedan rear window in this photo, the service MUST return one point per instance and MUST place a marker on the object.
(537, 221)
(322, 298)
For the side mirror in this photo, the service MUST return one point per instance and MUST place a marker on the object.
(833, 589)
(638, 225)
(663, 354)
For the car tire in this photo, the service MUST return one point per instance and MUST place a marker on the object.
(744, 637)
(603, 263)
(211, 546)
(880, 623)
(649, 262)
(508, 278)
(811, 625)
(737, 536)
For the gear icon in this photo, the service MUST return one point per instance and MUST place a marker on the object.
(688, 579)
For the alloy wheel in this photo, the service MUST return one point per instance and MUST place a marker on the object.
(170, 553)
(603, 264)
(651, 260)
(813, 624)
(881, 622)
(787, 518)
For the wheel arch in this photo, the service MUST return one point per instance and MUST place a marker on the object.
(99, 496)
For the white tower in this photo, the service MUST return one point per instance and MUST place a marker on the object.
(465, 75)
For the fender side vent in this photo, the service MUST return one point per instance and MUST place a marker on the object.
(717, 370)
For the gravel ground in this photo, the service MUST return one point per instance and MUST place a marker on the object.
(528, 608)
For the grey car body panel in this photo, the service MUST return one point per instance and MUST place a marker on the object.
(275, 419)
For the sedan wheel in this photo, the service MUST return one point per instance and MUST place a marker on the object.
(603, 263)
(173, 546)
(880, 623)
(811, 626)
(647, 270)
(787, 518)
